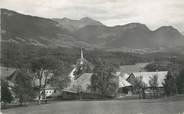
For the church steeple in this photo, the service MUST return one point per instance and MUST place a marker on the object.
(82, 57)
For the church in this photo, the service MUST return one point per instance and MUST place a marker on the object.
(80, 77)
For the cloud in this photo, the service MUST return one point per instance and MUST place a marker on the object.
(153, 13)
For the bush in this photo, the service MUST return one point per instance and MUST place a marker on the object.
(6, 95)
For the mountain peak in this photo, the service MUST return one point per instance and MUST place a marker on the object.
(65, 18)
(136, 26)
(166, 28)
(73, 25)
(90, 21)
(86, 18)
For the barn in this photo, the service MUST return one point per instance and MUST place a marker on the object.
(146, 77)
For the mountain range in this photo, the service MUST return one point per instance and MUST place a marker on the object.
(87, 33)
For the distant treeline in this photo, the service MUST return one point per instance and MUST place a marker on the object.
(20, 55)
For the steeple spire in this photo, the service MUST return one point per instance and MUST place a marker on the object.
(82, 57)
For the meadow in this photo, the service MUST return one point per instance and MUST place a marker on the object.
(173, 105)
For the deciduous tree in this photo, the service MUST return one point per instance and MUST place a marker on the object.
(139, 87)
(104, 80)
(23, 88)
(42, 67)
(153, 82)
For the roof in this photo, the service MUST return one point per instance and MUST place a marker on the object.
(133, 68)
(123, 82)
(82, 82)
(6, 72)
(48, 86)
(147, 75)
(18, 73)
(125, 76)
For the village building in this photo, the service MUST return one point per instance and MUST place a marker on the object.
(146, 78)
(128, 74)
(48, 92)
(6, 72)
(80, 78)
(10, 75)
(125, 87)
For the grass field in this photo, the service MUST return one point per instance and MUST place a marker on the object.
(174, 105)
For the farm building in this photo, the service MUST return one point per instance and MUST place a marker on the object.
(6, 72)
(125, 88)
(146, 78)
(11, 75)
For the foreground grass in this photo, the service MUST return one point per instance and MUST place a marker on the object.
(173, 105)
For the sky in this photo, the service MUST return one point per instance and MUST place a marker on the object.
(153, 13)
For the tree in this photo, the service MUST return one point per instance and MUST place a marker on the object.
(42, 67)
(169, 85)
(104, 80)
(139, 87)
(23, 88)
(153, 82)
(180, 82)
(6, 95)
(61, 79)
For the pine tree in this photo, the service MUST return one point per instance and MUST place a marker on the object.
(169, 85)
(180, 82)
